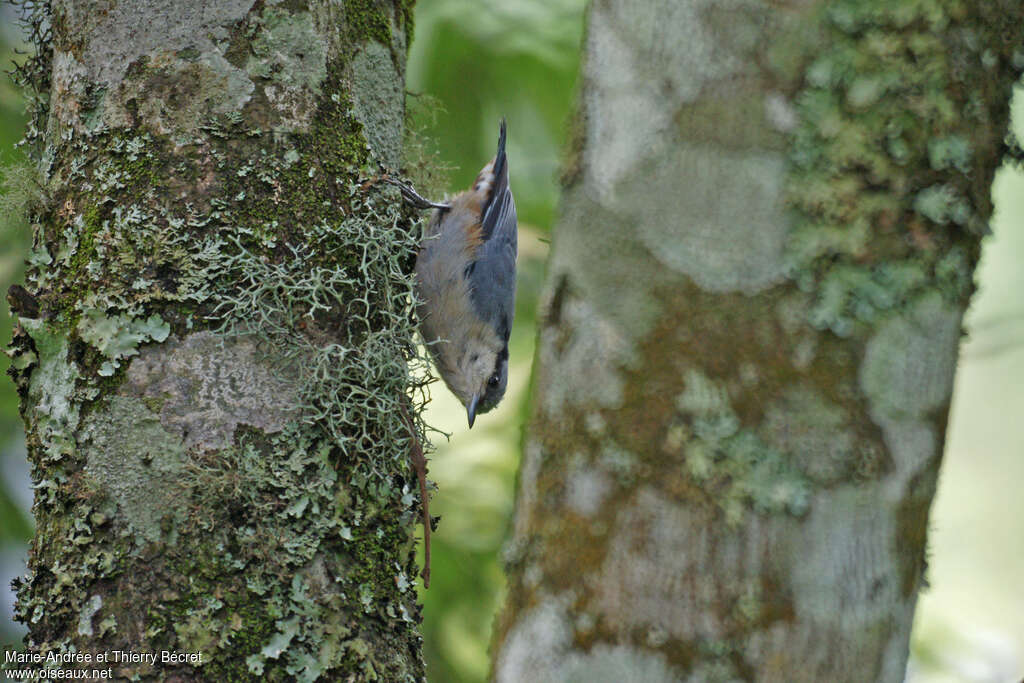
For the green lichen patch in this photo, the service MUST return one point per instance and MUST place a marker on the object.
(298, 549)
(286, 184)
(732, 461)
(118, 337)
(117, 259)
(894, 155)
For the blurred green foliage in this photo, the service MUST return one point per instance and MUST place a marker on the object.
(484, 59)
(15, 522)
(481, 60)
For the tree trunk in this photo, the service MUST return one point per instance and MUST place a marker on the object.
(768, 233)
(215, 343)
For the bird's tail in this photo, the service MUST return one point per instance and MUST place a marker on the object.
(500, 167)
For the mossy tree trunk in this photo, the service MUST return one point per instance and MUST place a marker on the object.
(214, 343)
(767, 241)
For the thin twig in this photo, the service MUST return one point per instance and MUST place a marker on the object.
(419, 462)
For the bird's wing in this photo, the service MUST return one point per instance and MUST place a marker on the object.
(492, 274)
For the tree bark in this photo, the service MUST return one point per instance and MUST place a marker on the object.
(768, 232)
(214, 363)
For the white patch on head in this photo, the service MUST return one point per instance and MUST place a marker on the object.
(466, 366)
(477, 365)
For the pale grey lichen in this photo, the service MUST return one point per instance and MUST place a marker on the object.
(816, 433)
(619, 461)
(87, 612)
(714, 669)
(595, 424)
(652, 573)
(626, 312)
(669, 566)
(131, 458)
(591, 352)
(529, 470)
(780, 112)
(704, 227)
(141, 33)
(535, 645)
(586, 488)
(290, 58)
(616, 663)
(848, 534)
(216, 87)
(910, 362)
(907, 373)
(130, 30)
(693, 204)
(377, 98)
(539, 648)
(289, 50)
(70, 78)
(51, 390)
(625, 101)
(210, 385)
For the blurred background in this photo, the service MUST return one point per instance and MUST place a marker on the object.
(521, 60)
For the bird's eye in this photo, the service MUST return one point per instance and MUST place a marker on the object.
(493, 380)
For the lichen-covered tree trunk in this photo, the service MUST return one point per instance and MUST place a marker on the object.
(214, 343)
(767, 241)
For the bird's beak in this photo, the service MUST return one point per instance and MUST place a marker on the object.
(471, 410)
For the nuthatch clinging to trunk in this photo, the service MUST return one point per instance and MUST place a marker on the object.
(466, 283)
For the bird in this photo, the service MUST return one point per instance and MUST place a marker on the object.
(466, 284)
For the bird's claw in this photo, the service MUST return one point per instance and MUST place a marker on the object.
(415, 198)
